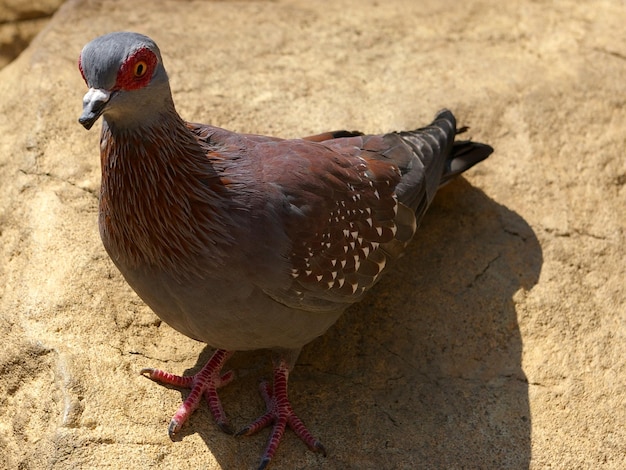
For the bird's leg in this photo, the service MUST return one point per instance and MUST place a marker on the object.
(206, 382)
(281, 414)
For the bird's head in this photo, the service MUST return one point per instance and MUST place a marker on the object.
(126, 79)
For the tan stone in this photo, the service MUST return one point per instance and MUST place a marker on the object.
(20, 21)
(497, 342)
(17, 10)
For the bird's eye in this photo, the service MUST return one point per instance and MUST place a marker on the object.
(136, 71)
(140, 69)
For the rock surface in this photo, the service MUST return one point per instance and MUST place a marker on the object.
(497, 342)
(20, 22)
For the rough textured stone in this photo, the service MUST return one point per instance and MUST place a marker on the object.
(497, 342)
(19, 23)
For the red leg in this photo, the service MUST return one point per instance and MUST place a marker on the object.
(204, 383)
(281, 414)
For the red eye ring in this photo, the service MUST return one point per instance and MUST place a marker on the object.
(137, 70)
(80, 67)
(140, 68)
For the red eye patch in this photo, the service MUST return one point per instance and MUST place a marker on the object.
(80, 67)
(136, 71)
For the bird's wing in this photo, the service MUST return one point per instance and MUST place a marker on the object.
(348, 205)
(353, 205)
(331, 135)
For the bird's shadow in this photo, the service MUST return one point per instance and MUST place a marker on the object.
(425, 371)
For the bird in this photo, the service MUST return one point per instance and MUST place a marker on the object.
(248, 242)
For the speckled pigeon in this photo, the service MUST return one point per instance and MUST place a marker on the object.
(248, 242)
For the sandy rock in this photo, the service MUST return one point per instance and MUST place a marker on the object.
(497, 342)
(20, 22)
(17, 10)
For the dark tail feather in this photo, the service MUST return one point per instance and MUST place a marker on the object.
(465, 154)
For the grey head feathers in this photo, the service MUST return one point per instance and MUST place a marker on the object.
(127, 82)
(101, 59)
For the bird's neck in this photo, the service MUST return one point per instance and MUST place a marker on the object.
(162, 205)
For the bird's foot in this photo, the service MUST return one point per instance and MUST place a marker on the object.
(204, 383)
(281, 414)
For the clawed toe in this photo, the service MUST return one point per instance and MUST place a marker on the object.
(226, 428)
(279, 414)
(173, 428)
(320, 448)
(204, 383)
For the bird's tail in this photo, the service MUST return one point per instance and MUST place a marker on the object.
(441, 158)
(464, 155)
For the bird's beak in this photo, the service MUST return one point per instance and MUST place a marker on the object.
(94, 102)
